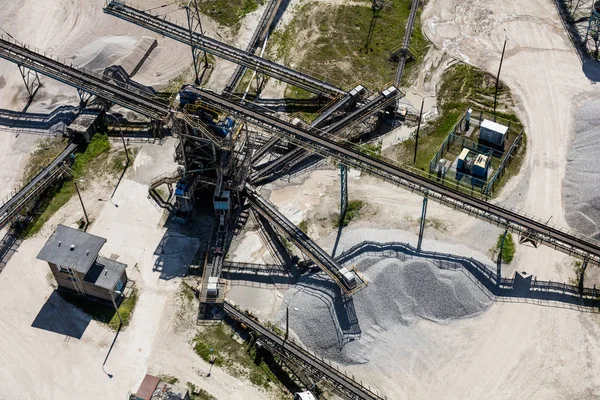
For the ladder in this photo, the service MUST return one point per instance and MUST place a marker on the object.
(76, 281)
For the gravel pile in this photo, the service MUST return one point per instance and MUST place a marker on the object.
(398, 295)
(581, 192)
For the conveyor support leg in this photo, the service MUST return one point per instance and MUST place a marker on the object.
(422, 227)
(343, 192)
(499, 260)
(31, 80)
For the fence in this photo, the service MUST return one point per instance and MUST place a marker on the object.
(477, 117)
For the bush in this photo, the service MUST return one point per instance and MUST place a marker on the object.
(508, 250)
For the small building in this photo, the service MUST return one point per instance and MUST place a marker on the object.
(84, 127)
(473, 163)
(75, 261)
(153, 388)
(492, 133)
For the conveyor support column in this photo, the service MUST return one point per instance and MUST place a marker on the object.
(499, 260)
(344, 192)
(422, 227)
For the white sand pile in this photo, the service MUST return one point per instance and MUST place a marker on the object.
(582, 176)
(384, 313)
(126, 51)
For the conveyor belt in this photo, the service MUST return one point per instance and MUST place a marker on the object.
(123, 95)
(338, 105)
(259, 36)
(299, 154)
(406, 42)
(14, 204)
(304, 243)
(169, 29)
(513, 220)
(351, 388)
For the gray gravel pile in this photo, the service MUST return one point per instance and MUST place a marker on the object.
(581, 186)
(399, 293)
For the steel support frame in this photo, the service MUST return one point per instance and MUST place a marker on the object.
(343, 192)
(31, 79)
(195, 26)
(499, 260)
(422, 225)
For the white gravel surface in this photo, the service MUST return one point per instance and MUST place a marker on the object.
(581, 195)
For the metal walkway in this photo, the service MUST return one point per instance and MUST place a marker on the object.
(154, 23)
(298, 155)
(49, 123)
(259, 36)
(17, 201)
(343, 384)
(348, 280)
(121, 94)
(513, 220)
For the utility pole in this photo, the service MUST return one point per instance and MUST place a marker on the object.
(419, 125)
(498, 76)
(87, 220)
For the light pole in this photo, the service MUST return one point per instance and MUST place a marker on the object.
(87, 220)
(419, 125)
(498, 76)
(122, 137)
(287, 314)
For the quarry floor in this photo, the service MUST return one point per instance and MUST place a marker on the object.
(516, 350)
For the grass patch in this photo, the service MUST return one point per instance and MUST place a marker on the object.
(371, 149)
(303, 226)
(59, 195)
(354, 207)
(237, 359)
(126, 310)
(170, 379)
(228, 12)
(47, 150)
(334, 38)
(508, 250)
(197, 393)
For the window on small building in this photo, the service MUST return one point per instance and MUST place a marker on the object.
(64, 270)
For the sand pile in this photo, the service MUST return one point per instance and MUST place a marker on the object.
(582, 177)
(126, 51)
(399, 294)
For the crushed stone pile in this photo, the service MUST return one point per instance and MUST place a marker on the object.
(581, 185)
(125, 51)
(383, 314)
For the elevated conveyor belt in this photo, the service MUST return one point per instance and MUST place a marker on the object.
(121, 94)
(259, 36)
(154, 23)
(348, 388)
(406, 42)
(299, 154)
(317, 123)
(513, 220)
(347, 280)
(13, 205)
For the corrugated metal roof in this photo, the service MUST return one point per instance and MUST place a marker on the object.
(494, 126)
(147, 387)
(57, 249)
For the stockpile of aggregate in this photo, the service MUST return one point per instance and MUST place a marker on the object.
(581, 186)
(383, 314)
